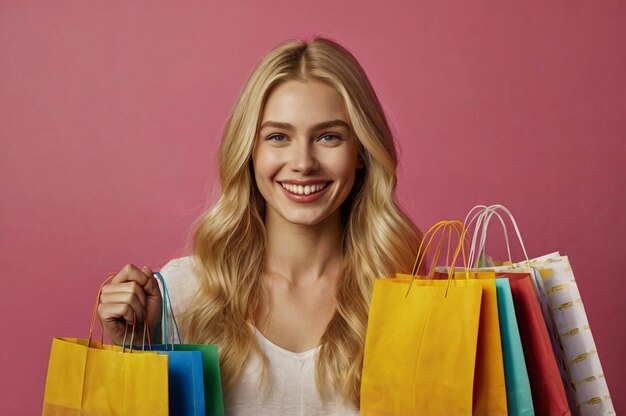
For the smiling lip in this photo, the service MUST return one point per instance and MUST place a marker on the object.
(301, 198)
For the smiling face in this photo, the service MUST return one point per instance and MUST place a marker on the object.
(305, 156)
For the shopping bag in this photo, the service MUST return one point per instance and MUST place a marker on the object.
(186, 381)
(517, 386)
(208, 385)
(518, 393)
(489, 378)
(545, 379)
(548, 392)
(420, 346)
(90, 378)
(213, 399)
(86, 377)
(571, 336)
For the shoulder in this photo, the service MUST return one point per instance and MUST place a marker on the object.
(181, 266)
(181, 277)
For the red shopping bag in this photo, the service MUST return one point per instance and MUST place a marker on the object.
(545, 379)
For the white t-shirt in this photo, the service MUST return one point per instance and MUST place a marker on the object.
(291, 389)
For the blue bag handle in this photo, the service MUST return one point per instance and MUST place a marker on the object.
(167, 307)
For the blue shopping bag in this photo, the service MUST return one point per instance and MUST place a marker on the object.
(185, 370)
(186, 381)
(211, 385)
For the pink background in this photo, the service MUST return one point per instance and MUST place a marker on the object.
(110, 114)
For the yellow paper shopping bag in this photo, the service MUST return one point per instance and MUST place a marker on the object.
(489, 380)
(420, 347)
(86, 377)
(103, 380)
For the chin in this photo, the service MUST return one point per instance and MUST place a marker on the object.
(304, 216)
(305, 222)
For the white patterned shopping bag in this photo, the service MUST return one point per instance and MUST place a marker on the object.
(558, 291)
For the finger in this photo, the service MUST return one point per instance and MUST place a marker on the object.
(127, 287)
(125, 298)
(151, 288)
(130, 273)
(112, 313)
(147, 271)
(152, 285)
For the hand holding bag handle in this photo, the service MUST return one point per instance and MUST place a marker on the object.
(131, 290)
(94, 313)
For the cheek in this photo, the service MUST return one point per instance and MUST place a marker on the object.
(344, 167)
(265, 164)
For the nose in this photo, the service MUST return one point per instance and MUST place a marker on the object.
(303, 159)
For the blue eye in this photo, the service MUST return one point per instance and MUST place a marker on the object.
(330, 137)
(276, 138)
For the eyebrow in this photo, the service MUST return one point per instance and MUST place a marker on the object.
(318, 126)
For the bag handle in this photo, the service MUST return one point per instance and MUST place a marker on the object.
(479, 218)
(167, 307)
(95, 309)
(483, 219)
(441, 227)
(494, 211)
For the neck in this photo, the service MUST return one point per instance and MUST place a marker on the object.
(303, 254)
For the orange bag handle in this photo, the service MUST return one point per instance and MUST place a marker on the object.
(429, 236)
(95, 308)
(441, 227)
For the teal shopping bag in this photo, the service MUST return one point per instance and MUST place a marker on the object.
(518, 394)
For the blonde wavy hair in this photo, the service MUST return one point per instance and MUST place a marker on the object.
(229, 240)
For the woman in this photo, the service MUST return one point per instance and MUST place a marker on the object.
(283, 264)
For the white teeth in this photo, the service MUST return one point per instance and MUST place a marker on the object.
(303, 190)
